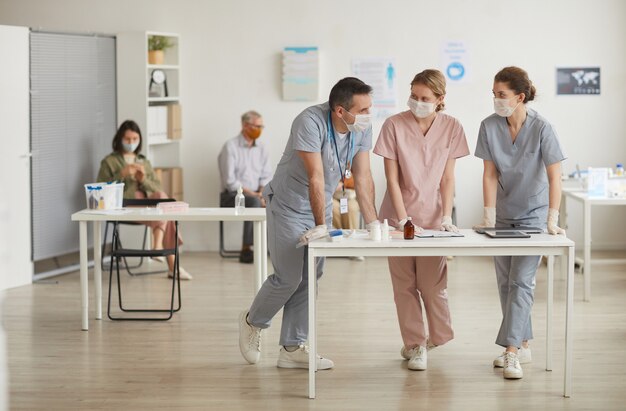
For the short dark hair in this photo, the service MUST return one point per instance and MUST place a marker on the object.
(517, 79)
(119, 135)
(342, 92)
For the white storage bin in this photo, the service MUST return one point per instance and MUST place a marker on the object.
(104, 196)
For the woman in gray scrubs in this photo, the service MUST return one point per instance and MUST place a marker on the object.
(521, 187)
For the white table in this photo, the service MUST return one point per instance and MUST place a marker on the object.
(587, 203)
(472, 244)
(97, 217)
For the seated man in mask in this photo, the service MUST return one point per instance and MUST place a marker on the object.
(244, 162)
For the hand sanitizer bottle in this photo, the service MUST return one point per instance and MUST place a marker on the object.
(240, 202)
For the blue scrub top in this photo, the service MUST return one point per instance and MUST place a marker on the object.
(523, 194)
(289, 187)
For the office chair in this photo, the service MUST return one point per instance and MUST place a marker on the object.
(119, 253)
(142, 202)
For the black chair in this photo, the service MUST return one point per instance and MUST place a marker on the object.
(129, 268)
(118, 253)
(224, 252)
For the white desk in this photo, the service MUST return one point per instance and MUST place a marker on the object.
(587, 203)
(471, 245)
(97, 217)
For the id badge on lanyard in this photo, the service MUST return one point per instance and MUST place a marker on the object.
(343, 204)
(343, 201)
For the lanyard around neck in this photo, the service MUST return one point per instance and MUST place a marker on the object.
(349, 153)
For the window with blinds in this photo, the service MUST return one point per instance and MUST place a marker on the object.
(73, 120)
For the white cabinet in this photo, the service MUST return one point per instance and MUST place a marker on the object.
(16, 267)
(150, 94)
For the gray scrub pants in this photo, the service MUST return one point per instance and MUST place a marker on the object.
(287, 288)
(516, 283)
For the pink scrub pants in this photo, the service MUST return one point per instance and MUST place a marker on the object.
(416, 280)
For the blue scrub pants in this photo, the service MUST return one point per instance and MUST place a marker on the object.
(287, 288)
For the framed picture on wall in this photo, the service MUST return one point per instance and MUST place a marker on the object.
(578, 80)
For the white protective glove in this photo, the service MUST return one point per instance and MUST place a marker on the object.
(314, 233)
(402, 222)
(553, 219)
(446, 224)
(489, 218)
(374, 225)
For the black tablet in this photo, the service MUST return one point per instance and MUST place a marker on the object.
(524, 229)
(507, 234)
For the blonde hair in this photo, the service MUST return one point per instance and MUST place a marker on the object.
(435, 81)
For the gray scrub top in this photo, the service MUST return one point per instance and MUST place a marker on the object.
(523, 194)
(289, 187)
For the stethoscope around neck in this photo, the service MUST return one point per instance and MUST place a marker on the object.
(349, 153)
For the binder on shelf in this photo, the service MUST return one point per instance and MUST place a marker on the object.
(157, 124)
(174, 126)
(171, 181)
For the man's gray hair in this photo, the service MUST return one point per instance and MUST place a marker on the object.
(249, 115)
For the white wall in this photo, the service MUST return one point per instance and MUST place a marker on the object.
(230, 54)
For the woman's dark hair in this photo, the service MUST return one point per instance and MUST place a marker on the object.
(119, 135)
(518, 81)
(342, 92)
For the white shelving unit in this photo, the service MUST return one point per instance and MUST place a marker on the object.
(135, 100)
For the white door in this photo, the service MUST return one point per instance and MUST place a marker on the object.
(16, 267)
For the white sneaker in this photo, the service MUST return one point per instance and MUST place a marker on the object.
(512, 368)
(418, 358)
(249, 339)
(523, 355)
(184, 275)
(300, 359)
(406, 354)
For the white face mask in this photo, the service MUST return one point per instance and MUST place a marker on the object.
(130, 148)
(361, 122)
(502, 108)
(421, 109)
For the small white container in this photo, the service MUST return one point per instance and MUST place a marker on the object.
(375, 234)
(385, 230)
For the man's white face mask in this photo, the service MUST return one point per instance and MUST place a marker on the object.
(361, 122)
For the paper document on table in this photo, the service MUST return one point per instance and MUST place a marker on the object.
(108, 212)
(437, 233)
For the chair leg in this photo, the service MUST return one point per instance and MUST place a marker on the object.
(224, 252)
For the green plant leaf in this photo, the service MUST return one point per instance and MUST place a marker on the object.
(159, 43)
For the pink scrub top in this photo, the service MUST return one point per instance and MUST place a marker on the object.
(421, 162)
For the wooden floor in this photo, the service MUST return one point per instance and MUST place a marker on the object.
(193, 362)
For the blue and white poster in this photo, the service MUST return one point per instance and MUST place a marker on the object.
(300, 73)
(578, 80)
(380, 73)
(455, 62)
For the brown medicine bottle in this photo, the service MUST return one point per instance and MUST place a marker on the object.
(409, 229)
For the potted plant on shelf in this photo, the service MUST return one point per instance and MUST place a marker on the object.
(156, 46)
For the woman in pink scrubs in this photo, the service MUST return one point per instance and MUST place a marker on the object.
(420, 147)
